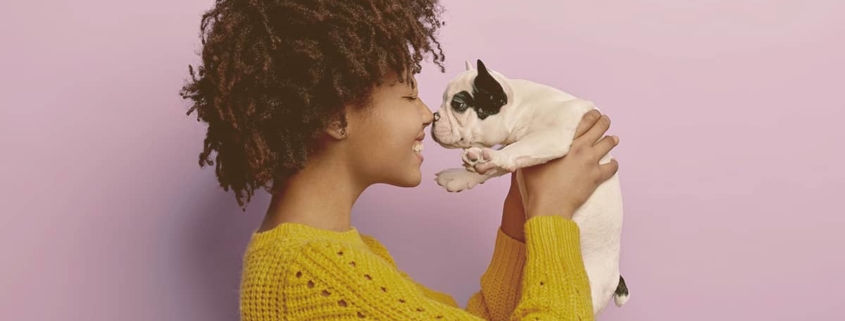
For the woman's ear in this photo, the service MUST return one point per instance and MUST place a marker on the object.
(338, 128)
(337, 132)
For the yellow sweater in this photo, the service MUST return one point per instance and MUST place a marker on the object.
(296, 272)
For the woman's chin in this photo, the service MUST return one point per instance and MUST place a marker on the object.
(409, 176)
(411, 179)
(414, 180)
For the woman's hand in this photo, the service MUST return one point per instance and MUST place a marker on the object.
(561, 186)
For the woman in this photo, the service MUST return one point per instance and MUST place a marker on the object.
(315, 101)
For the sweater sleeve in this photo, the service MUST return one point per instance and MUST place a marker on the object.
(501, 283)
(555, 284)
(328, 278)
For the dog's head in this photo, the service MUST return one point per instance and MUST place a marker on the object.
(475, 109)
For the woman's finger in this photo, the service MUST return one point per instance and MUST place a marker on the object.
(605, 145)
(606, 171)
(587, 121)
(596, 131)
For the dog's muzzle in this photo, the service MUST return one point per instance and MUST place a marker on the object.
(433, 135)
(442, 133)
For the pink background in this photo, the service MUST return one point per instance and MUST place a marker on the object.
(731, 160)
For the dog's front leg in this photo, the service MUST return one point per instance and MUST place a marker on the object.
(535, 148)
(538, 146)
(460, 179)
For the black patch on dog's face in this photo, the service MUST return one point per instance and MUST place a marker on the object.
(462, 101)
(487, 96)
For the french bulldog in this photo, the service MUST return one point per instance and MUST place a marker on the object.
(533, 124)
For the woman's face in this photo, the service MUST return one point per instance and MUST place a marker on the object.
(386, 138)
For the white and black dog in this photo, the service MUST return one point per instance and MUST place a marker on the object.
(533, 123)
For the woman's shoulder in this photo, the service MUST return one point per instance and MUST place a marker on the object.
(288, 242)
(377, 248)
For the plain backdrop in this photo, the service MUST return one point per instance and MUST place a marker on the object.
(731, 158)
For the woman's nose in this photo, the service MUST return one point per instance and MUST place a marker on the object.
(427, 116)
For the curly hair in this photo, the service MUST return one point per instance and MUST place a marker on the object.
(275, 73)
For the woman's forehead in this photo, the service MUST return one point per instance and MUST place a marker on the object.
(392, 78)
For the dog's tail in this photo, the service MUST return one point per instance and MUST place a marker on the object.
(621, 294)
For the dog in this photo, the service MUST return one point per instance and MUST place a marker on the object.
(533, 123)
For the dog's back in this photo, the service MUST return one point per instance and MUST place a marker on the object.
(600, 223)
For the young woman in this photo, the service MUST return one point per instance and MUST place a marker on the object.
(314, 101)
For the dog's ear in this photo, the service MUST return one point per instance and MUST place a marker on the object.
(468, 65)
(489, 94)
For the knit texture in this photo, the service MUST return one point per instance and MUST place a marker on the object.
(296, 272)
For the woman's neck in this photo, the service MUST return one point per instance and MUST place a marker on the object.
(321, 195)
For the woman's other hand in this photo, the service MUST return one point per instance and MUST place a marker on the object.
(561, 186)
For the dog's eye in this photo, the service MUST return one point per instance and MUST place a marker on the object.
(458, 105)
(461, 101)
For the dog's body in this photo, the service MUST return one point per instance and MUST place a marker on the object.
(534, 123)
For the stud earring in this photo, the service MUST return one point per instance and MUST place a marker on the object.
(343, 132)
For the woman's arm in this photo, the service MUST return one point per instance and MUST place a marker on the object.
(501, 284)
(513, 212)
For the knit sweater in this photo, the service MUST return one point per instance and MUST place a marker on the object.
(297, 272)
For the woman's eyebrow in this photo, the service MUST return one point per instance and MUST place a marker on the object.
(411, 90)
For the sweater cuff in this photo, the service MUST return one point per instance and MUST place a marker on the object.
(502, 282)
(507, 262)
(556, 239)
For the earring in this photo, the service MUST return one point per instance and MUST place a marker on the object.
(343, 132)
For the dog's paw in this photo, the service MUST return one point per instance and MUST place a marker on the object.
(458, 179)
(479, 160)
(483, 160)
(471, 157)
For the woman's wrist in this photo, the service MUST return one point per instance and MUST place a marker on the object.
(538, 208)
(513, 218)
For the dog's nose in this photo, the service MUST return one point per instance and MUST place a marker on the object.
(436, 116)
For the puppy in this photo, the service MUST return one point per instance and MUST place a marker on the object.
(533, 123)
